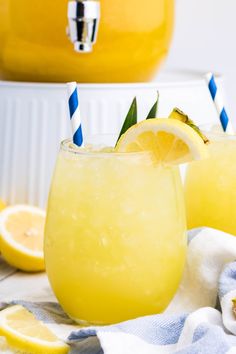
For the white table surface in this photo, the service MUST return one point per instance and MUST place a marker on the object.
(17, 285)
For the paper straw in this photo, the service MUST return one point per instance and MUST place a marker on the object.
(219, 104)
(73, 102)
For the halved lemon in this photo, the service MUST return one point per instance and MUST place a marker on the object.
(22, 234)
(170, 141)
(25, 333)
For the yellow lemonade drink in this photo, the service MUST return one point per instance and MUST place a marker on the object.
(133, 40)
(115, 238)
(210, 187)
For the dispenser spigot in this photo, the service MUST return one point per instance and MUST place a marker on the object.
(83, 16)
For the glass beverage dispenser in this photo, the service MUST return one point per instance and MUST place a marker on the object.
(132, 39)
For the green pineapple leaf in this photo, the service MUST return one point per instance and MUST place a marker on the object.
(154, 110)
(130, 119)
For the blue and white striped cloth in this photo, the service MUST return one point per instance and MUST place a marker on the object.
(200, 319)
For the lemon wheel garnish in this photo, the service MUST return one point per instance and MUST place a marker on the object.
(26, 334)
(22, 233)
(169, 140)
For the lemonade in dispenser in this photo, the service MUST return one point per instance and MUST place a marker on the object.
(113, 41)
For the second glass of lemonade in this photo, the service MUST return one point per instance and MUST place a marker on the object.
(210, 187)
(115, 238)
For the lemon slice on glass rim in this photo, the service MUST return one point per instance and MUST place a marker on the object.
(170, 141)
(25, 333)
(21, 237)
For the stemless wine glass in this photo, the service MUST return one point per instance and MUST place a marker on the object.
(210, 185)
(115, 238)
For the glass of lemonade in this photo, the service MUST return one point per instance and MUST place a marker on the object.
(115, 238)
(210, 186)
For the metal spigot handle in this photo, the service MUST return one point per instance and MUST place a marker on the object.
(83, 16)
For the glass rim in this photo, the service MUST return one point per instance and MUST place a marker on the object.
(206, 130)
(64, 146)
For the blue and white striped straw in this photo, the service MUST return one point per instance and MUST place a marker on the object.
(73, 101)
(219, 104)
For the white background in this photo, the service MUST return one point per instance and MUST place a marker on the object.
(205, 40)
